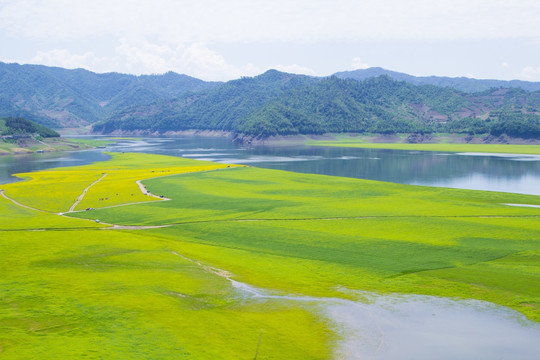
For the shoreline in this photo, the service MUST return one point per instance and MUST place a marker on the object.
(409, 142)
(57, 145)
(403, 138)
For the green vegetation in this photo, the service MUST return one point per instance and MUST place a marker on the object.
(365, 142)
(272, 103)
(19, 136)
(59, 97)
(276, 103)
(461, 83)
(92, 142)
(18, 126)
(23, 145)
(79, 290)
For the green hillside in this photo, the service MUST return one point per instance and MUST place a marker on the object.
(276, 103)
(60, 97)
(18, 126)
(273, 103)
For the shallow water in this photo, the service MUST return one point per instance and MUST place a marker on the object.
(392, 327)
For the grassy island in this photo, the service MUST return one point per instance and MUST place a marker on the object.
(446, 143)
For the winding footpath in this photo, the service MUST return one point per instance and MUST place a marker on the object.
(143, 189)
(21, 205)
(79, 199)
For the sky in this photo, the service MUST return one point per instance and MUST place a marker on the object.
(227, 39)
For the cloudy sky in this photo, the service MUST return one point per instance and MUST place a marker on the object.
(226, 39)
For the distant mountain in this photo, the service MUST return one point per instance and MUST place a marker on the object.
(273, 103)
(459, 83)
(64, 98)
(220, 108)
(276, 103)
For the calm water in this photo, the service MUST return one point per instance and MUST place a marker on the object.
(503, 172)
(411, 327)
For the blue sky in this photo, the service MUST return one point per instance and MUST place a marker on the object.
(222, 40)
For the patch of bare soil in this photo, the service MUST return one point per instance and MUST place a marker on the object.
(386, 138)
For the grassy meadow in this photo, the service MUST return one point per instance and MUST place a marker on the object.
(74, 288)
(30, 145)
(443, 145)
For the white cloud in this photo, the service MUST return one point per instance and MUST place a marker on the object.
(184, 21)
(530, 73)
(295, 69)
(64, 58)
(199, 60)
(142, 57)
(153, 36)
(357, 63)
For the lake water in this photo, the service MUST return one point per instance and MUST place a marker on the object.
(385, 327)
(494, 172)
(411, 327)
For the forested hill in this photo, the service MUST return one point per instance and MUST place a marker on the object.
(276, 103)
(15, 127)
(458, 83)
(60, 97)
(273, 103)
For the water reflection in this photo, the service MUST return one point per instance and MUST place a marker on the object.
(496, 172)
(34, 162)
(417, 327)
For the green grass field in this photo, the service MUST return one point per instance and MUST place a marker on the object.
(45, 144)
(364, 142)
(78, 290)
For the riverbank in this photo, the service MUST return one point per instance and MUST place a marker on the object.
(426, 142)
(32, 145)
(444, 142)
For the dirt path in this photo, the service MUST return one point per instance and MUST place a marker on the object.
(22, 205)
(79, 199)
(144, 191)
(216, 271)
(134, 227)
(41, 142)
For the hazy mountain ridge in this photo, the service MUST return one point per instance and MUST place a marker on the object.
(459, 83)
(273, 103)
(64, 98)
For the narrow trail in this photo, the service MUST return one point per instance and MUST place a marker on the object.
(134, 227)
(41, 142)
(216, 271)
(144, 191)
(22, 205)
(79, 199)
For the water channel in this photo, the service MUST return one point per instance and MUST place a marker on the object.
(380, 327)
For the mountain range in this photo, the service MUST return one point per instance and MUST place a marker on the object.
(459, 83)
(273, 103)
(60, 97)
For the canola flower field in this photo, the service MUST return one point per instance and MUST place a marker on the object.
(151, 278)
